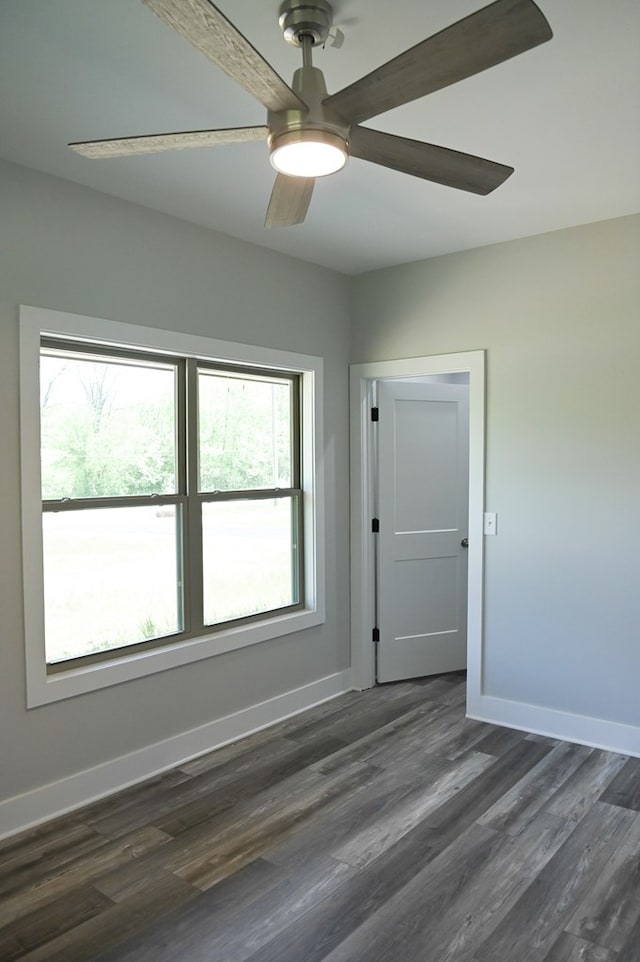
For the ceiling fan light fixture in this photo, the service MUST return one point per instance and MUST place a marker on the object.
(311, 134)
(308, 153)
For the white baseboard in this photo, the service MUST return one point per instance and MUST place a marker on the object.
(594, 732)
(56, 798)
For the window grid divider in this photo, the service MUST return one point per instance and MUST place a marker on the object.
(195, 599)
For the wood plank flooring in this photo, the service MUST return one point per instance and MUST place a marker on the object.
(380, 826)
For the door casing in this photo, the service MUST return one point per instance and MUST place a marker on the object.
(362, 378)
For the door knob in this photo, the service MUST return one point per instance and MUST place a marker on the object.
(465, 542)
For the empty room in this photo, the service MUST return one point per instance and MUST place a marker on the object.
(319, 473)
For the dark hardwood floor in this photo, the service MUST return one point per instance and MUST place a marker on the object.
(381, 826)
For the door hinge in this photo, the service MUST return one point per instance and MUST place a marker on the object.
(375, 634)
(375, 525)
(375, 414)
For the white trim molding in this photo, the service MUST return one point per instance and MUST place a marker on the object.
(44, 687)
(583, 729)
(56, 798)
(363, 377)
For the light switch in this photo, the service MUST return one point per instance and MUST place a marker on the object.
(490, 522)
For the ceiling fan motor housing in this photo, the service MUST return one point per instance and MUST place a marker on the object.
(290, 126)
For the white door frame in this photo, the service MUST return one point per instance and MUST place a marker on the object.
(362, 377)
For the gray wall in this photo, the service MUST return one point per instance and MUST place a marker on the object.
(559, 316)
(71, 249)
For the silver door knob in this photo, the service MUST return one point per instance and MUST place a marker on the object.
(465, 542)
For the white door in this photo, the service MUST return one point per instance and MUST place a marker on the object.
(423, 493)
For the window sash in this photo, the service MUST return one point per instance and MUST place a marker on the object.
(188, 498)
(246, 373)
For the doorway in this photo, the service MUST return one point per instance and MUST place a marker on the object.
(468, 366)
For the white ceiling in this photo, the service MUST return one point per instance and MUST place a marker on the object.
(566, 115)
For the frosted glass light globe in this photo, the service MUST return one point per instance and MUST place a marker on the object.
(306, 157)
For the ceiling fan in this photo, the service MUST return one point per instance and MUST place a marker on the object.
(310, 132)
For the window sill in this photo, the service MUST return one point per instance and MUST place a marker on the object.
(43, 688)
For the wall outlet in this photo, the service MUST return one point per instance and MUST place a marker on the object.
(490, 523)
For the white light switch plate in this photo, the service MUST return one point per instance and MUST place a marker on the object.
(490, 522)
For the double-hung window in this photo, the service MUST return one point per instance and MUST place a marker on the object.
(178, 511)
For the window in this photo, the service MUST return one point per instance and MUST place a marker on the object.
(178, 499)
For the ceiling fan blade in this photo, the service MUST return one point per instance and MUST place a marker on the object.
(439, 164)
(209, 31)
(158, 143)
(485, 38)
(289, 202)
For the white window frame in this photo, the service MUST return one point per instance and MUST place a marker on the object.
(44, 687)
